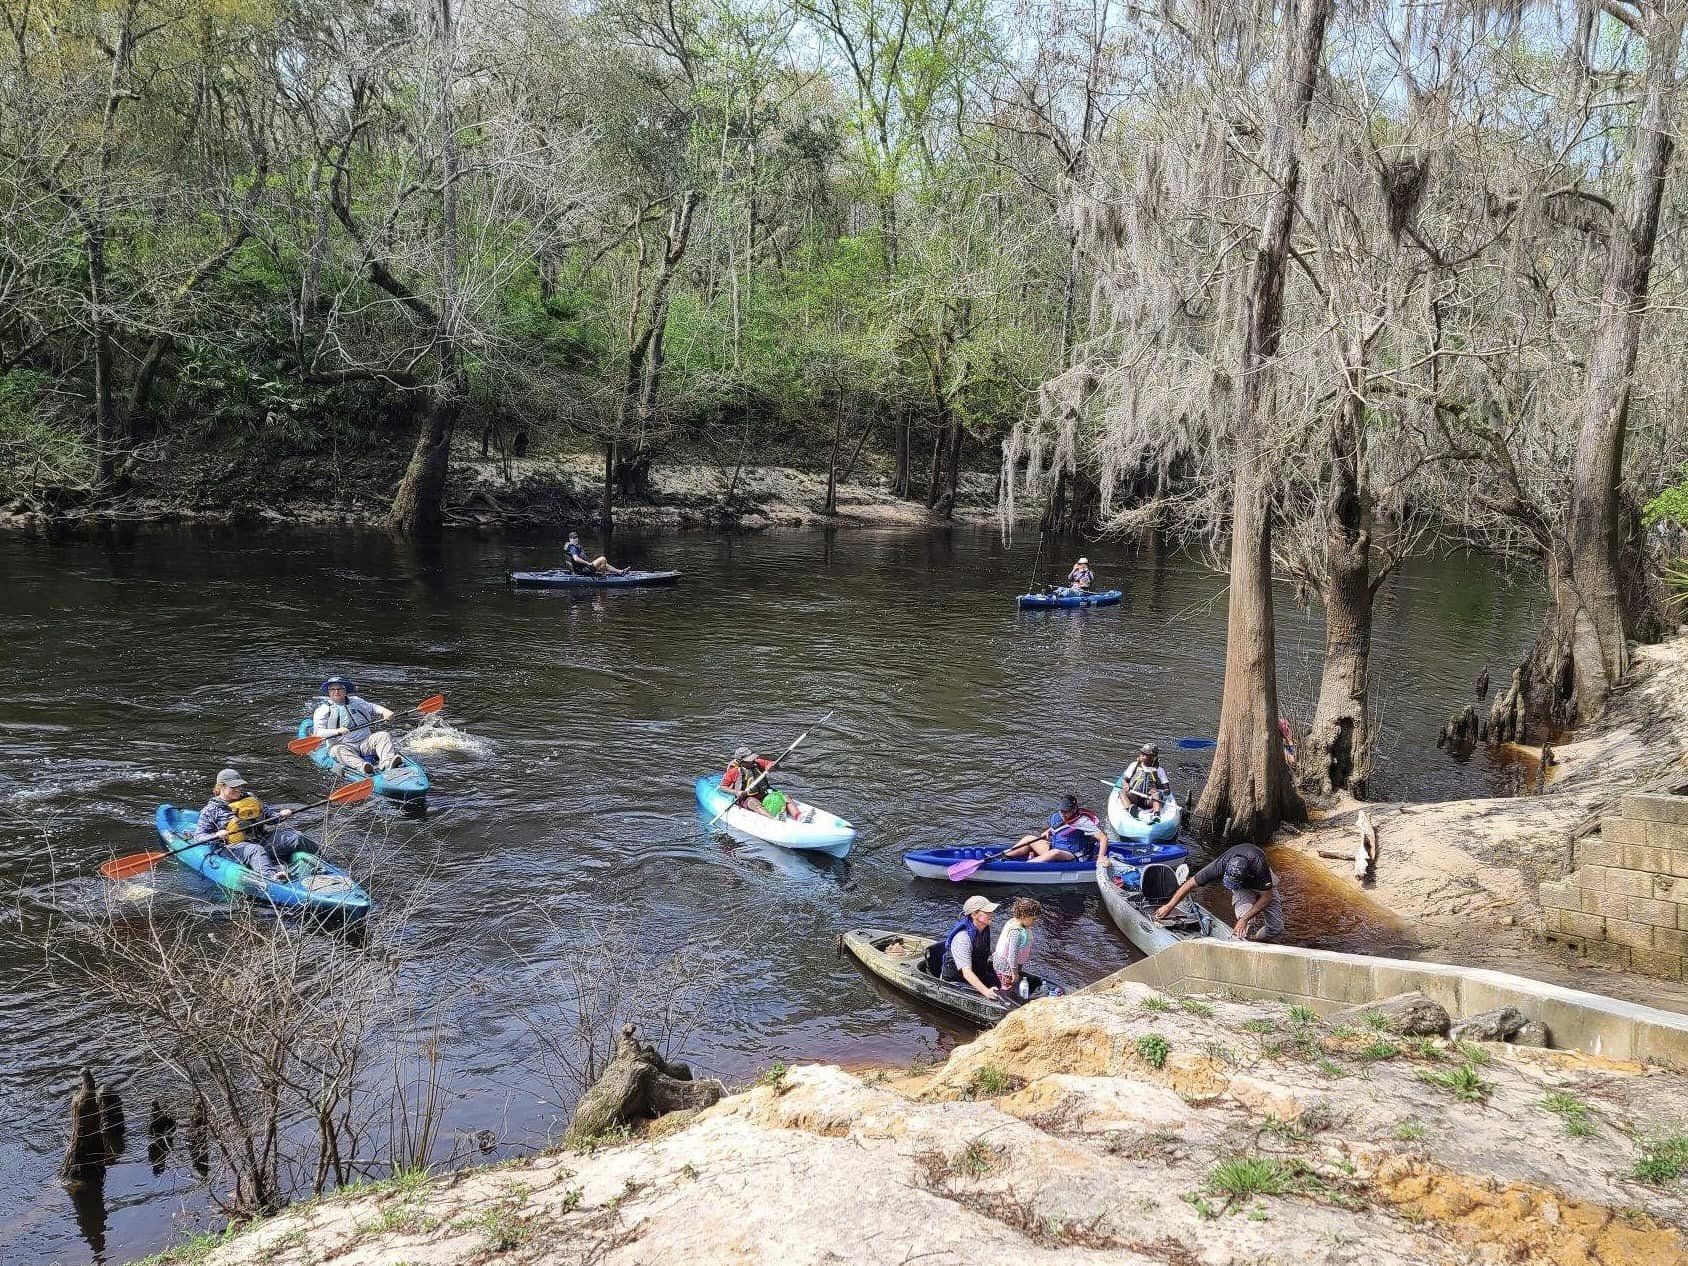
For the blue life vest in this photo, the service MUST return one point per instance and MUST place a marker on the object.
(1072, 836)
(981, 943)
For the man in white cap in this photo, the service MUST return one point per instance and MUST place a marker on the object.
(232, 821)
(343, 714)
(967, 949)
(1081, 577)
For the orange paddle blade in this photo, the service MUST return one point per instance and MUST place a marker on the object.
(132, 865)
(304, 746)
(431, 705)
(353, 792)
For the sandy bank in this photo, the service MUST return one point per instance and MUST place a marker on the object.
(1121, 1127)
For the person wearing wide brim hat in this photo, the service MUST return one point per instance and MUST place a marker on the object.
(343, 714)
(967, 949)
(1081, 577)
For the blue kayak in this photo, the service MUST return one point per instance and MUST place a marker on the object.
(1131, 825)
(314, 886)
(814, 831)
(934, 863)
(408, 781)
(1067, 598)
(562, 578)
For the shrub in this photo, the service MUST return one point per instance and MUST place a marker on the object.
(1154, 1049)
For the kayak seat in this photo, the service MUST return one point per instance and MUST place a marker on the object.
(1159, 882)
(932, 961)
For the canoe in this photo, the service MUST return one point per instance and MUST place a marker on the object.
(1131, 896)
(1128, 826)
(904, 961)
(408, 781)
(819, 832)
(317, 887)
(562, 578)
(934, 863)
(1067, 598)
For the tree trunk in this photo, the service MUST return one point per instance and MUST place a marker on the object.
(606, 504)
(1584, 650)
(1249, 790)
(1336, 752)
(903, 478)
(935, 469)
(958, 437)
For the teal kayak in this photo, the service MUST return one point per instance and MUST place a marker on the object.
(408, 781)
(314, 886)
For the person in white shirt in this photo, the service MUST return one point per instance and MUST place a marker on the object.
(343, 715)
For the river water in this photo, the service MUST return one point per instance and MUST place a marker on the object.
(136, 663)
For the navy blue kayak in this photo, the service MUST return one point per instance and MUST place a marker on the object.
(1068, 598)
(562, 578)
(934, 863)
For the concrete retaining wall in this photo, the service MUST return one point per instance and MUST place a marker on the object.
(1327, 981)
(1627, 903)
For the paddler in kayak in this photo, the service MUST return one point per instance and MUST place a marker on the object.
(1073, 834)
(1081, 578)
(1248, 876)
(343, 713)
(967, 949)
(741, 774)
(230, 821)
(599, 566)
(1145, 784)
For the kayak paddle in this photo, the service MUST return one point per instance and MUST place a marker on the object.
(963, 870)
(1194, 744)
(305, 746)
(763, 775)
(140, 863)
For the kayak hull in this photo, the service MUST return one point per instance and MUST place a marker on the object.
(1128, 826)
(562, 578)
(825, 833)
(934, 863)
(1134, 913)
(899, 959)
(1066, 598)
(408, 781)
(318, 887)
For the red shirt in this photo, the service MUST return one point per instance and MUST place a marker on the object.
(730, 779)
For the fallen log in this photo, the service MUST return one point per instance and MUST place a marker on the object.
(638, 1085)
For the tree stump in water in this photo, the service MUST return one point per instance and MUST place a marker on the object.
(638, 1085)
(1462, 731)
(1506, 716)
(96, 1133)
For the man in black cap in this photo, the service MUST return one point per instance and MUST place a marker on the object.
(1248, 876)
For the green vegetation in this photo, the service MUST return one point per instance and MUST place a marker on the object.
(1196, 1007)
(1662, 1160)
(1260, 1025)
(1463, 1082)
(1157, 1004)
(1300, 1015)
(1245, 1177)
(989, 1081)
(1578, 1119)
(1378, 1051)
(1408, 1131)
(1153, 1048)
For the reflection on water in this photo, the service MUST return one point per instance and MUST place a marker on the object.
(139, 662)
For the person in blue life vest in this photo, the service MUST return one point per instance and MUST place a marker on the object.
(575, 555)
(967, 949)
(233, 822)
(1074, 833)
(342, 714)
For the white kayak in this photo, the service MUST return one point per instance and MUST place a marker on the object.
(817, 831)
(1133, 826)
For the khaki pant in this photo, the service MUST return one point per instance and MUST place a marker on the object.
(376, 749)
(1268, 924)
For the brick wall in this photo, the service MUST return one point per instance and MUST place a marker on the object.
(1627, 904)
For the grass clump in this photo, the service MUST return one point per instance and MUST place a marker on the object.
(1301, 1015)
(1379, 1051)
(1464, 1082)
(1157, 1004)
(1409, 1131)
(1245, 1177)
(1260, 1025)
(1579, 1121)
(1474, 1054)
(1330, 1068)
(989, 1081)
(1662, 1160)
(1196, 1007)
(1154, 1049)
(772, 1075)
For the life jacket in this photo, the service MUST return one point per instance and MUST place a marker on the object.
(981, 943)
(747, 773)
(349, 715)
(1141, 778)
(1073, 836)
(245, 810)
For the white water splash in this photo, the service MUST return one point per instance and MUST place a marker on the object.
(435, 736)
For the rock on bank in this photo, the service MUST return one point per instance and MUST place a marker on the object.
(1120, 1127)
